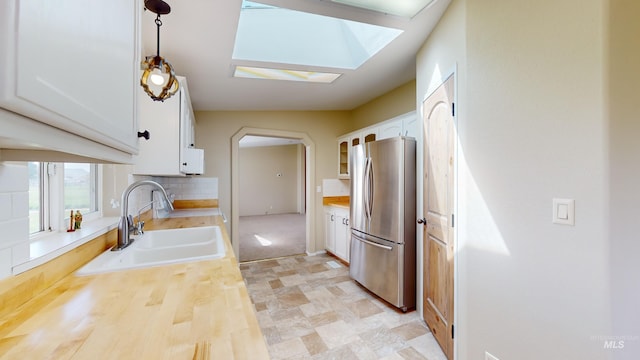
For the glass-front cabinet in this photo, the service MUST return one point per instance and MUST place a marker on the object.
(343, 158)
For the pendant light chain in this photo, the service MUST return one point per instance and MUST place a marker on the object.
(158, 24)
(155, 68)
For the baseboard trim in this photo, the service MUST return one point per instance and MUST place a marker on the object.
(316, 253)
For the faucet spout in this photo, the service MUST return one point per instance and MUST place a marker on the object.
(125, 227)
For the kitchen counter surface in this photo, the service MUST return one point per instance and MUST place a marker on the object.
(339, 201)
(197, 310)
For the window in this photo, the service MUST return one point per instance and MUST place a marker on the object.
(57, 188)
(36, 185)
(80, 188)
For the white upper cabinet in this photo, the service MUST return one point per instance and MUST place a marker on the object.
(403, 125)
(73, 65)
(170, 149)
(390, 129)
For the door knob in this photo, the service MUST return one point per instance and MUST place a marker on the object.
(422, 221)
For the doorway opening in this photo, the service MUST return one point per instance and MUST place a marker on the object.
(247, 204)
(272, 202)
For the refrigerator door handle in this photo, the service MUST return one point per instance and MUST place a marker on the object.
(371, 186)
(372, 243)
(366, 191)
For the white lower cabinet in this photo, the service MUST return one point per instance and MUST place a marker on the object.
(337, 231)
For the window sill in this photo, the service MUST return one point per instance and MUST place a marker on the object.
(47, 247)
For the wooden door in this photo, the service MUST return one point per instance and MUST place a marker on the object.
(438, 256)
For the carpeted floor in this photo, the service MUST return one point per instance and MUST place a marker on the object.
(271, 236)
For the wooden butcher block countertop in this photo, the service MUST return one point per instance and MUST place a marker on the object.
(198, 310)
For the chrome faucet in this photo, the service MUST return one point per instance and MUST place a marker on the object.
(125, 227)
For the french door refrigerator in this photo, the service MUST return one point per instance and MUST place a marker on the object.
(383, 225)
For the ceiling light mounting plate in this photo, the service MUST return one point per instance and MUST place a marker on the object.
(157, 6)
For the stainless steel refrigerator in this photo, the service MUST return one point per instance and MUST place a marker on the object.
(383, 221)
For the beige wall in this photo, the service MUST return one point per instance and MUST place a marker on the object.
(269, 179)
(396, 102)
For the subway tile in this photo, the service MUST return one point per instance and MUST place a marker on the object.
(14, 231)
(20, 253)
(14, 177)
(20, 201)
(5, 263)
(6, 207)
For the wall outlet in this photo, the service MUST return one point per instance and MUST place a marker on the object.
(488, 356)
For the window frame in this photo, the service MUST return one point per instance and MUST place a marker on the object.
(53, 215)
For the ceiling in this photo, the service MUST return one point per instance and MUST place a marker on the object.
(198, 37)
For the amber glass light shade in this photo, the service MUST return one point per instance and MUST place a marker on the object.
(155, 68)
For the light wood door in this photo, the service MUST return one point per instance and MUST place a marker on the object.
(439, 146)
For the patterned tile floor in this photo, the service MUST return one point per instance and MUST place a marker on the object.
(307, 309)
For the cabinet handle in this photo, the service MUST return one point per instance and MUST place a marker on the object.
(422, 221)
(184, 164)
(331, 217)
(144, 134)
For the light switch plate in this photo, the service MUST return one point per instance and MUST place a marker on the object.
(564, 211)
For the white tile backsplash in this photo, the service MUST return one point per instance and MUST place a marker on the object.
(14, 231)
(5, 263)
(6, 207)
(14, 215)
(335, 187)
(20, 253)
(190, 188)
(20, 204)
(14, 177)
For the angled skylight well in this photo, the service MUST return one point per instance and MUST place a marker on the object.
(402, 8)
(277, 35)
(282, 74)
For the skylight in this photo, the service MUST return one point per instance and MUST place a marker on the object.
(282, 74)
(278, 35)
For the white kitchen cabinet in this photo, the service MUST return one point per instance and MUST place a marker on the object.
(343, 234)
(389, 129)
(169, 151)
(337, 231)
(329, 229)
(411, 125)
(344, 153)
(403, 125)
(72, 65)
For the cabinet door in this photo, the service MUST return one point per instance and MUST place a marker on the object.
(329, 230)
(343, 158)
(72, 64)
(411, 126)
(390, 129)
(342, 234)
(160, 154)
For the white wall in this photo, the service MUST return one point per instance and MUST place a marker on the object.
(624, 142)
(531, 125)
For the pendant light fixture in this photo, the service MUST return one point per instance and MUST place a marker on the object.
(157, 70)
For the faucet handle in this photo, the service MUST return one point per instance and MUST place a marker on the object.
(140, 227)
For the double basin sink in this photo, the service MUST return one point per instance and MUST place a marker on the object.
(161, 247)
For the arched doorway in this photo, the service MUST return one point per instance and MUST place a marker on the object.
(309, 176)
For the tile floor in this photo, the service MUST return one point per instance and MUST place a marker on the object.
(308, 309)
